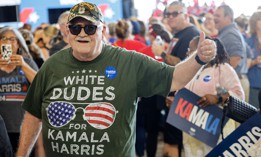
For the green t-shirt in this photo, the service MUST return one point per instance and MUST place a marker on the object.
(89, 108)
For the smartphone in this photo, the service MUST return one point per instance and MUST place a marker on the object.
(6, 51)
(159, 40)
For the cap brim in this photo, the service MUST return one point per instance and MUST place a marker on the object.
(84, 17)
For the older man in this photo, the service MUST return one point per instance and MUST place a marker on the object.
(84, 97)
(63, 43)
(233, 42)
(183, 31)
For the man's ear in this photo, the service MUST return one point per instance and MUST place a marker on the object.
(67, 29)
(104, 33)
(104, 29)
(186, 15)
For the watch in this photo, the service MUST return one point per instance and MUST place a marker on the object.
(163, 55)
(199, 61)
(220, 100)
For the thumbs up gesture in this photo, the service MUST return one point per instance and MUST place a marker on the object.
(206, 50)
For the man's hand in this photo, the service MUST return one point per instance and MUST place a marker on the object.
(169, 101)
(207, 49)
(171, 60)
(208, 99)
(157, 49)
(186, 70)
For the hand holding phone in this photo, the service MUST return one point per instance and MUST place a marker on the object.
(6, 51)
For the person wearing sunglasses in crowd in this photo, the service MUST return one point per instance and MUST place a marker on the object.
(84, 97)
(183, 31)
(17, 71)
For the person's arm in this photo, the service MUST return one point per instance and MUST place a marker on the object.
(30, 130)
(227, 86)
(254, 62)
(186, 70)
(211, 99)
(159, 50)
(39, 147)
(45, 54)
(234, 61)
(28, 71)
(171, 60)
(249, 63)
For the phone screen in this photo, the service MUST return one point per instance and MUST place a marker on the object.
(6, 50)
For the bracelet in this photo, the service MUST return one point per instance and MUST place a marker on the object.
(199, 61)
(163, 55)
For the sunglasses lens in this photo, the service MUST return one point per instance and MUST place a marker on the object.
(100, 115)
(173, 14)
(75, 29)
(90, 29)
(60, 113)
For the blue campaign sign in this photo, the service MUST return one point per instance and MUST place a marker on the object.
(203, 124)
(242, 141)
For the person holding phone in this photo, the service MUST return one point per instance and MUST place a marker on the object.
(17, 71)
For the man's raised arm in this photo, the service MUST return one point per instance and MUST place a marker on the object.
(186, 70)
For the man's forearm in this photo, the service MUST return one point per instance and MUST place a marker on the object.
(234, 61)
(171, 60)
(30, 130)
(184, 72)
(29, 72)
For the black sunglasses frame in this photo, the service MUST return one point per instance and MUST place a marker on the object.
(88, 29)
(173, 14)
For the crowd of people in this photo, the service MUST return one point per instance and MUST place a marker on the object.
(86, 87)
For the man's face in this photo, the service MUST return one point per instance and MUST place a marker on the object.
(176, 22)
(220, 19)
(86, 47)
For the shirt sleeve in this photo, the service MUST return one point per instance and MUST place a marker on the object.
(153, 77)
(234, 45)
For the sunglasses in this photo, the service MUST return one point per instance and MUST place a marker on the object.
(173, 14)
(88, 29)
(12, 39)
(99, 115)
